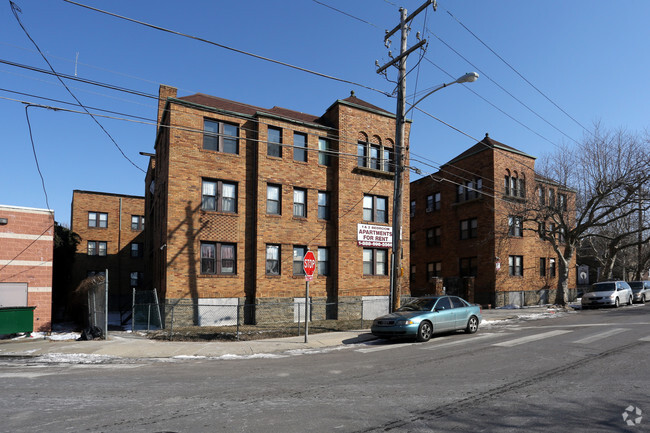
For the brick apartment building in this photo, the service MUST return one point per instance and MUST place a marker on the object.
(237, 194)
(26, 252)
(464, 235)
(111, 228)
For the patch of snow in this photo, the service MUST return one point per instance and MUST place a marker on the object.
(73, 358)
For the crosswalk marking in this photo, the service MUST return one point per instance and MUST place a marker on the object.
(383, 347)
(531, 338)
(479, 337)
(600, 336)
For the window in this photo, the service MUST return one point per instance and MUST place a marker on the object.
(551, 197)
(541, 229)
(137, 222)
(323, 205)
(324, 157)
(374, 157)
(219, 196)
(362, 154)
(515, 226)
(300, 202)
(323, 261)
(273, 199)
(436, 201)
(136, 279)
(274, 144)
(469, 228)
(375, 261)
(542, 267)
(551, 231)
(467, 267)
(220, 136)
(218, 258)
(374, 208)
(551, 268)
(98, 219)
(413, 272)
(137, 249)
(412, 208)
(562, 202)
(298, 259)
(469, 191)
(434, 269)
(516, 266)
(513, 185)
(299, 147)
(97, 248)
(388, 160)
(561, 235)
(541, 194)
(273, 260)
(430, 204)
(434, 236)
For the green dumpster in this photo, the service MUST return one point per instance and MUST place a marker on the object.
(16, 319)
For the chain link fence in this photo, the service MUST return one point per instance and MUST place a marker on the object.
(146, 311)
(98, 305)
(207, 319)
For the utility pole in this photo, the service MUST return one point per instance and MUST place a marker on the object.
(396, 261)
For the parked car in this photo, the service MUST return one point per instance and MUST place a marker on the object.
(423, 317)
(641, 290)
(610, 293)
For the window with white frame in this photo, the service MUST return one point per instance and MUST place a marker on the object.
(323, 205)
(516, 266)
(515, 226)
(98, 219)
(323, 261)
(97, 248)
(272, 259)
(299, 252)
(374, 208)
(324, 157)
(137, 222)
(273, 199)
(375, 261)
(300, 202)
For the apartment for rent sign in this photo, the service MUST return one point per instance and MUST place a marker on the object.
(374, 236)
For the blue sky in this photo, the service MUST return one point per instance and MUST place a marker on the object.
(588, 57)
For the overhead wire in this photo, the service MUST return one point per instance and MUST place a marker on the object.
(236, 50)
(517, 72)
(15, 9)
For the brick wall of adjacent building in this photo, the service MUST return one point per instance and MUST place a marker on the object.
(26, 251)
(118, 235)
(180, 225)
(490, 161)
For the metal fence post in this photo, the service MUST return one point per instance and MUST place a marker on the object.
(238, 320)
(171, 325)
(299, 314)
(148, 316)
(362, 314)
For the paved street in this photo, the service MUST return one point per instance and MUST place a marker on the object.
(577, 372)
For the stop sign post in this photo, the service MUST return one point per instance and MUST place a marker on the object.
(309, 265)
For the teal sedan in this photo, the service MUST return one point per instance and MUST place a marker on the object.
(423, 317)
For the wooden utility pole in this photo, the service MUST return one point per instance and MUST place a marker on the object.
(396, 262)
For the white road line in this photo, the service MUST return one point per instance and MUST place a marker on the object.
(387, 346)
(645, 339)
(600, 336)
(433, 346)
(530, 338)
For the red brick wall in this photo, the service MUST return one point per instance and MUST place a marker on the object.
(26, 250)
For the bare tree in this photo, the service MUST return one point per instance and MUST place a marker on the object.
(596, 185)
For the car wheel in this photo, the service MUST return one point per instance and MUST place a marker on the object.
(629, 301)
(643, 299)
(616, 303)
(472, 325)
(425, 331)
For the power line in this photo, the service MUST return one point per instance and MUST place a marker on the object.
(502, 88)
(517, 72)
(236, 50)
(15, 9)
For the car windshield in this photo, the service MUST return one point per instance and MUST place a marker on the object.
(636, 286)
(419, 305)
(602, 287)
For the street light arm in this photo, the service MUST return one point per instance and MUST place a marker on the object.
(467, 78)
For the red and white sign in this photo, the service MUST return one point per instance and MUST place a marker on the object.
(374, 236)
(309, 265)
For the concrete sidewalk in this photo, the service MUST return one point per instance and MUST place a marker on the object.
(133, 345)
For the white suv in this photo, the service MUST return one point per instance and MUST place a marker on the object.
(610, 293)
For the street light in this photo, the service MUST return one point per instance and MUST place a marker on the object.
(396, 263)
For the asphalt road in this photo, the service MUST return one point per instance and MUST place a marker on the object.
(579, 372)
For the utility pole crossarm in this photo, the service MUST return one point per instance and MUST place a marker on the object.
(402, 55)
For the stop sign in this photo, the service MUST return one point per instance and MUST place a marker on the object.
(309, 265)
